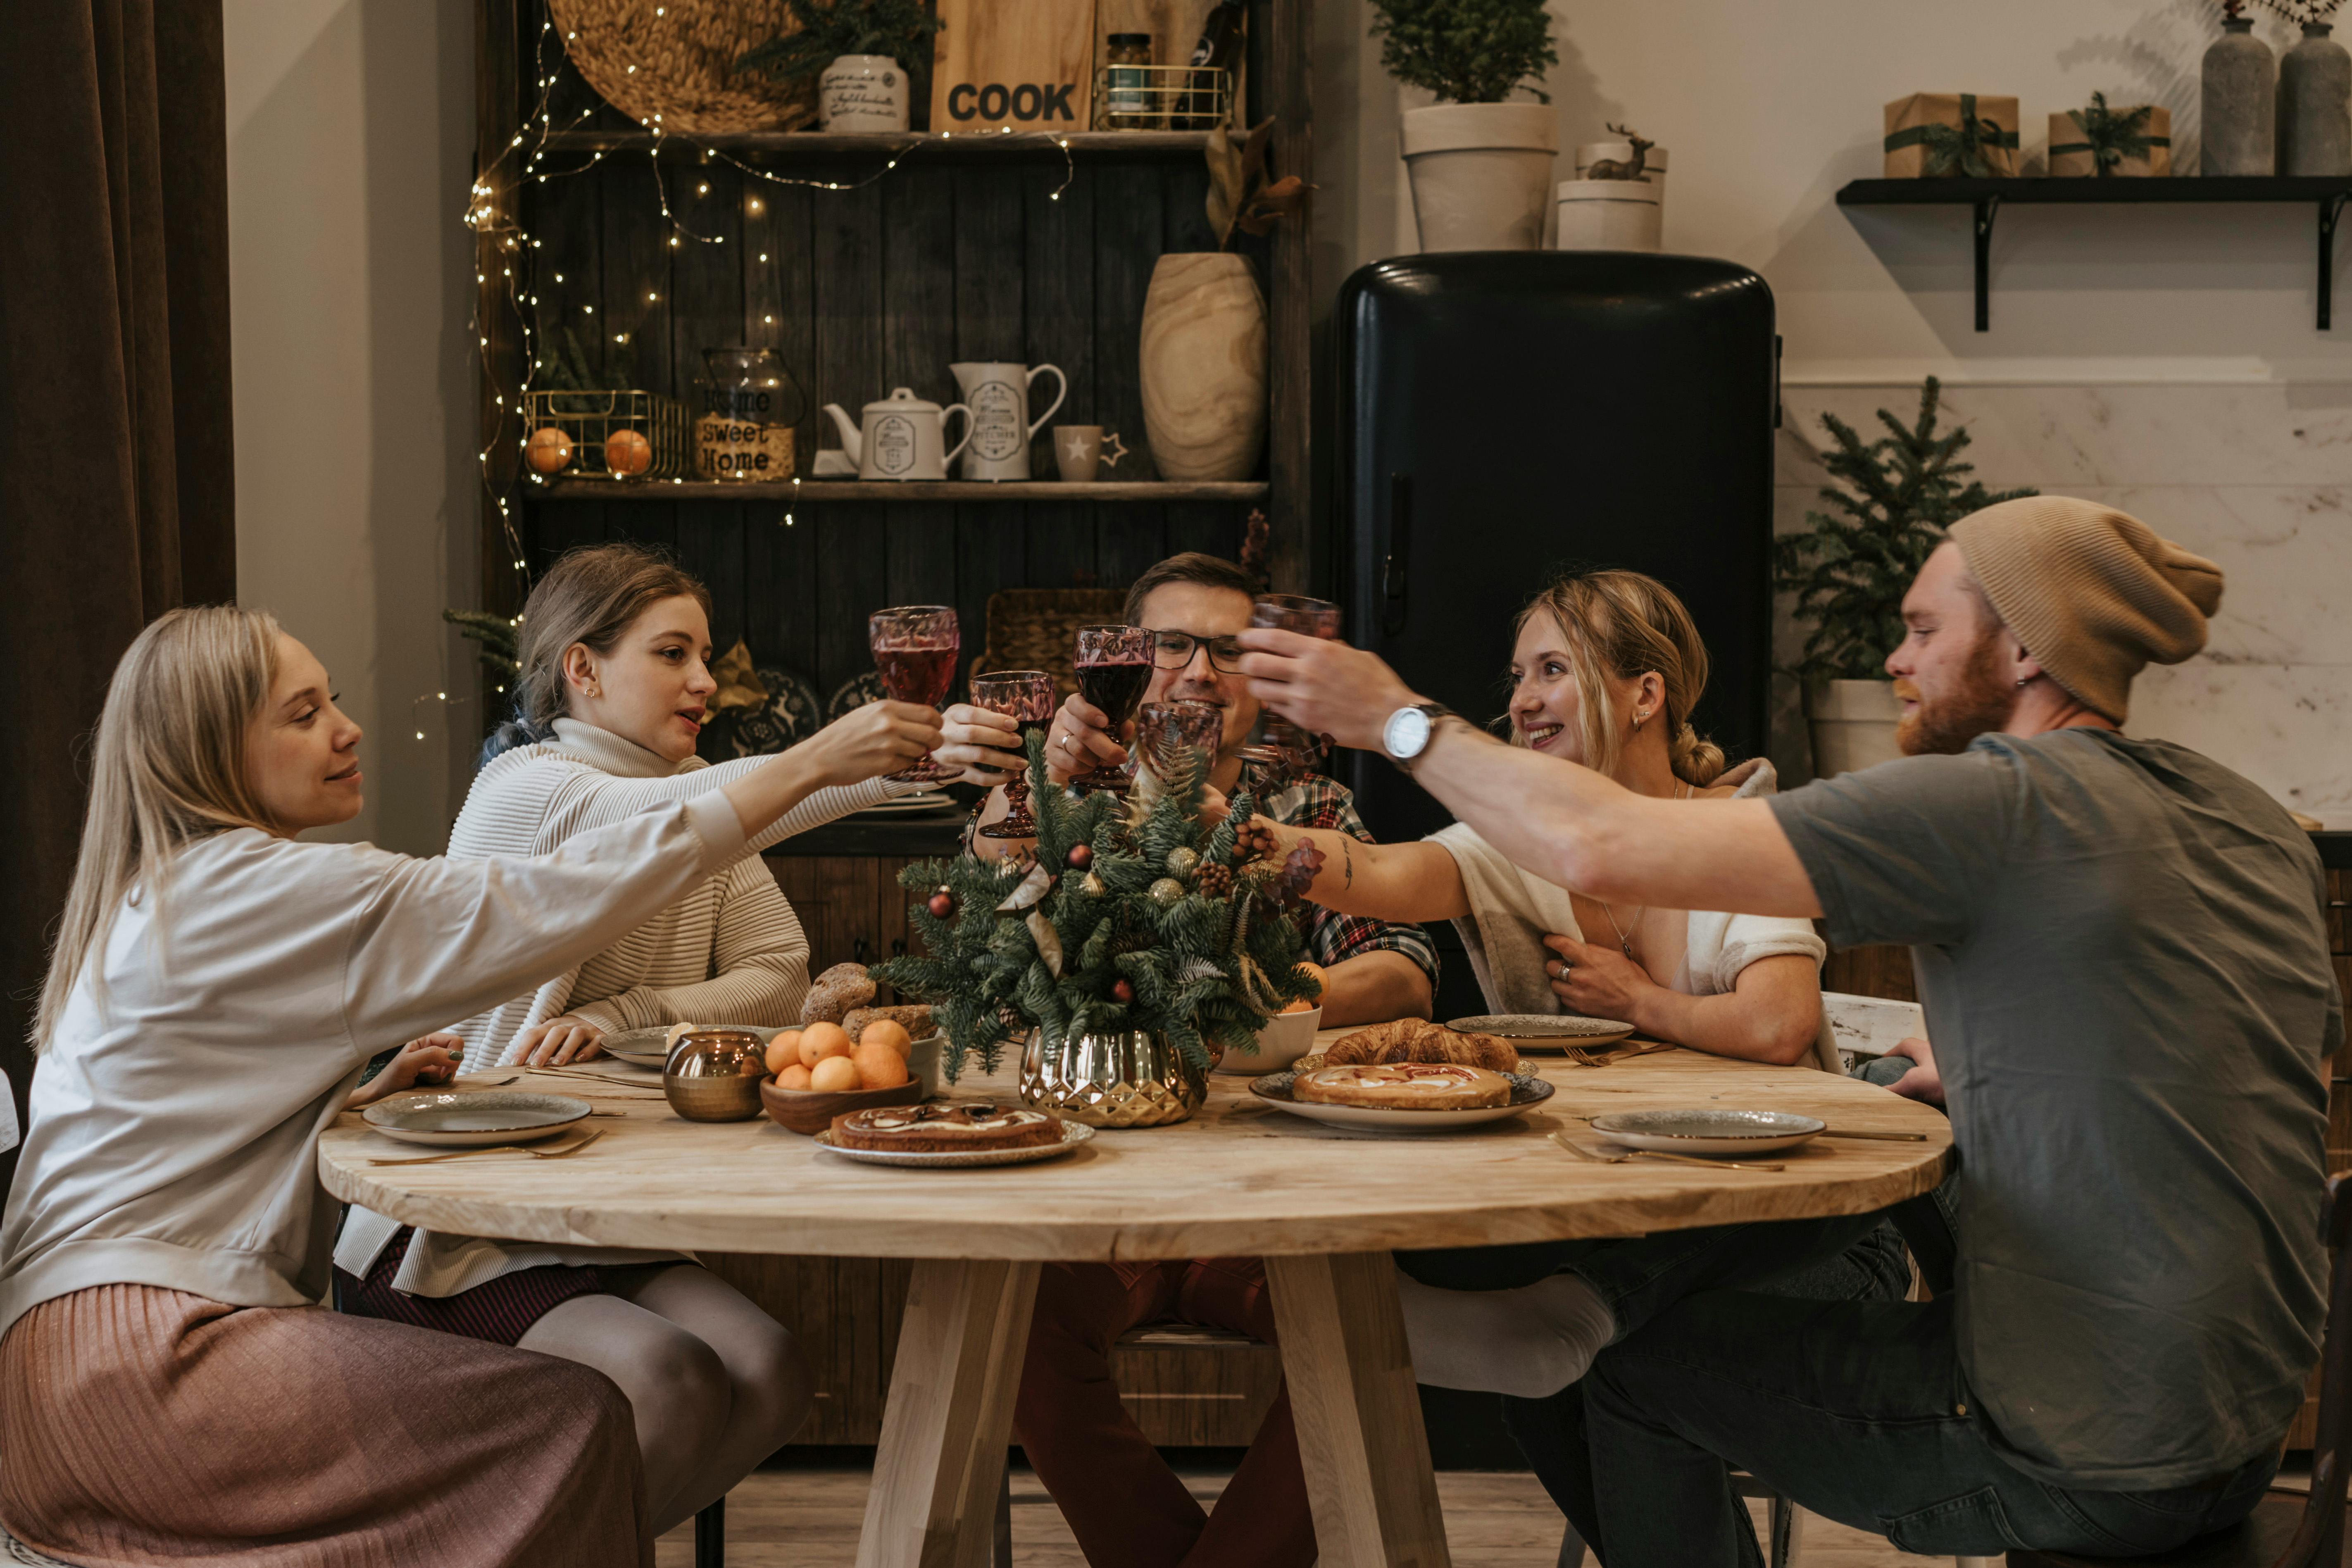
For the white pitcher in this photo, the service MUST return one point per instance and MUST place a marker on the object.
(903, 436)
(997, 396)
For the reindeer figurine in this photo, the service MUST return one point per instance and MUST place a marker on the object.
(1619, 169)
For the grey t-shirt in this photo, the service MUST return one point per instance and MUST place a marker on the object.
(2121, 950)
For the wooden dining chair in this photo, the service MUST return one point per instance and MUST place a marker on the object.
(2285, 1530)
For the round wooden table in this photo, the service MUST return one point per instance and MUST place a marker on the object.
(1323, 1207)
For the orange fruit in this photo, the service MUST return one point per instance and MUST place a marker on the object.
(795, 1077)
(1300, 1006)
(819, 1041)
(880, 1064)
(834, 1075)
(886, 1032)
(784, 1051)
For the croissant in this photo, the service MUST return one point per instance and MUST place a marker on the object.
(1418, 1040)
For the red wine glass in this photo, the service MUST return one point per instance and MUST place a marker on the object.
(1026, 697)
(1114, 667)
(1281, 744)
(915, 649)
(1166, 734)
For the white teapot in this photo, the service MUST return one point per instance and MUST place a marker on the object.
(903, 436)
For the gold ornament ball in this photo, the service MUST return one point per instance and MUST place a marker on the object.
(628, 453)
(549, 450)
(1166, 891)
(1182, 860)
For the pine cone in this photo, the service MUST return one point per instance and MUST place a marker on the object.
(1214, 881)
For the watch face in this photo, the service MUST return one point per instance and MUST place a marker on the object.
(1408, 732)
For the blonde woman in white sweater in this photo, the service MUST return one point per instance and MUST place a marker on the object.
(168, 1388)
(614, 681)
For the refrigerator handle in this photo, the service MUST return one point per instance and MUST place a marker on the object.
(1392, 568)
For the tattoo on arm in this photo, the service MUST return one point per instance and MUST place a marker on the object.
(1347, 863)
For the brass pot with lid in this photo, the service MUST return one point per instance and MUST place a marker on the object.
(713, 1074)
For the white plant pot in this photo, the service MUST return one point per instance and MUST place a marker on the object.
(1479, 172)
(1853, 723)
(862, 92)
(1609, 214)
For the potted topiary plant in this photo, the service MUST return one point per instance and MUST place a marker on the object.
(1850, 569)
(1480, 167)
(868, 51)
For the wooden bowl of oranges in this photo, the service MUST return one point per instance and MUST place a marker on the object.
(818, 1072)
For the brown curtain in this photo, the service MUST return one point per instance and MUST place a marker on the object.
(115, 473)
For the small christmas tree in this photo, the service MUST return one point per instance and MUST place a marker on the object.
(1466, 51)
(1128, 916)
(1851, 570)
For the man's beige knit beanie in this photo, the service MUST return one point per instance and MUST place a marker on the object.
(2091, 591)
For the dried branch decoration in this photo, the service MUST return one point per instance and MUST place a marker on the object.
(1240, 196)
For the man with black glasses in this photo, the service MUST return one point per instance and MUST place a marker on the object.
(1122, 1501)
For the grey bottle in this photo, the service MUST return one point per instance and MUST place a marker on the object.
(2315, 105)
(2241, 79)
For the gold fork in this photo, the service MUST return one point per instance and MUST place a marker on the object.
(500, 1148)
(1618, 1156)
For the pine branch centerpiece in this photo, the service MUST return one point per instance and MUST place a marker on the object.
(1130, 916)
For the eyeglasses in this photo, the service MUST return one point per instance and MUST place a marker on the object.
(1174, 650)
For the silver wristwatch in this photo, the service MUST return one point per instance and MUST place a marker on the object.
(1409, 731)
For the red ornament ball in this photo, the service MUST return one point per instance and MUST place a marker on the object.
(1081, 856)
(942, 905)
(1122, 992)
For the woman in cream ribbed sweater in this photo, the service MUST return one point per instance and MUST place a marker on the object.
(613, 682)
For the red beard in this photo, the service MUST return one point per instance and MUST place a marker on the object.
(1979, 704)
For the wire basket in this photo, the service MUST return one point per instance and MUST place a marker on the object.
(588, 422)
(1163, 98)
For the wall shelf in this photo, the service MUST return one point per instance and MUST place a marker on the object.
(953, 144)
(2328, 194)
(812, 492)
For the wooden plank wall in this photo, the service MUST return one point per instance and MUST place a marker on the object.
(859, 291)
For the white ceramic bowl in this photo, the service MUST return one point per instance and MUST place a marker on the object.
(1286, 1037)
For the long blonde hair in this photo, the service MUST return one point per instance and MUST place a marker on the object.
(1621, 626)
(590, 596)
(167, 768)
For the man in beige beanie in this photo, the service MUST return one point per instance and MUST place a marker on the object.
(2120, 947)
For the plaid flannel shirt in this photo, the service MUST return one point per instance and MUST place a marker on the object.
(1315, 800)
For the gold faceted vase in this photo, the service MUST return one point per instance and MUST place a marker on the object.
(1127, 1078)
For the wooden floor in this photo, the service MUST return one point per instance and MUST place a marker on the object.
(809, 1519)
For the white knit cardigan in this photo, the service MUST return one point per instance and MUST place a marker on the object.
(729, 952)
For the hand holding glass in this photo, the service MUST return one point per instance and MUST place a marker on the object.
(915, 648)
(1026, 697)
(1114, 667)
(1282, 744)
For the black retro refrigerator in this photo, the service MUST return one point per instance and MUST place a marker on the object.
(1502, 414)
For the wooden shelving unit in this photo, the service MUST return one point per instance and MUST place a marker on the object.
(805, 493)
(2327, 195)
(938, 144)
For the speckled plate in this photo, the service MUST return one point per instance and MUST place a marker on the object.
(1708, 1129)
(1527, 1091)
(1545, 1031)
(1073, 1134)
(465, 1118)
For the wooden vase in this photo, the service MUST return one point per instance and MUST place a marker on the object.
(1204, 367)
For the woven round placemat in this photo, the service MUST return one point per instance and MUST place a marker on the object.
(671, 66)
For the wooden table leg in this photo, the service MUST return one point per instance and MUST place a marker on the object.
(1360, 1432)
(941, 1458)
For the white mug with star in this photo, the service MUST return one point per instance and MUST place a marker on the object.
(1082, 452)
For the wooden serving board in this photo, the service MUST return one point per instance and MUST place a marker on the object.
(1019, 65)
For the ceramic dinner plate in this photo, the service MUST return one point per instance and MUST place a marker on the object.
(1708, 1131)
(462, 1120)
(1073, 1134)
(1527, 1091)
(1545, 1031)
(649, 1047)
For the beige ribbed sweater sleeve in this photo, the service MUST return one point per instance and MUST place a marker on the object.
(760, 954)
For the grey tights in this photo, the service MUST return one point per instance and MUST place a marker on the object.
(715, 1383)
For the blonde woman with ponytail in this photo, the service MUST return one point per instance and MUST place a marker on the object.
(169, 1388)
(1605, 670)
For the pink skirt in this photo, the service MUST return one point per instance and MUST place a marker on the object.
(146, 1427)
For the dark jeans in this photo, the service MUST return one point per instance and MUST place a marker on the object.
(1856, 1410)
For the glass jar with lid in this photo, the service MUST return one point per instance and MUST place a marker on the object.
(750, 406)
(1128, 81)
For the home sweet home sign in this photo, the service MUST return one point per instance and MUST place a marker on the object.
(1022, 64)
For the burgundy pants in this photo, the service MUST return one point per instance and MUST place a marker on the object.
(1126, 1507)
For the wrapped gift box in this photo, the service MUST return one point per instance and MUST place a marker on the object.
(1939, 134)
(2071, 152)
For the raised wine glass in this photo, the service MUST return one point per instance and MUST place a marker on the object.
(915, 648)
(1281, 744)
(1167, 732)
(1026, 697)
(1114, 667)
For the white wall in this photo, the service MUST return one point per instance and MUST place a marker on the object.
(2164, 359)
(350, 149)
